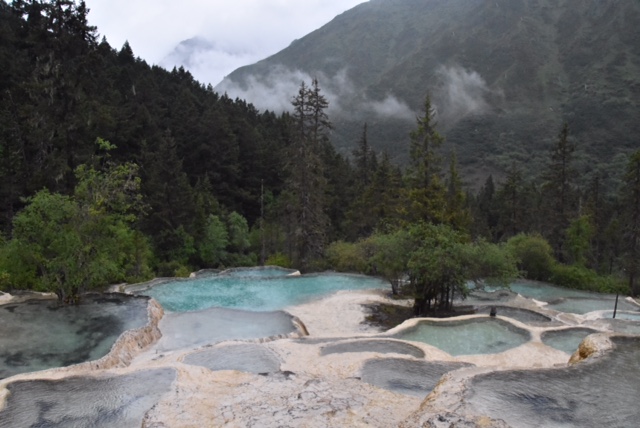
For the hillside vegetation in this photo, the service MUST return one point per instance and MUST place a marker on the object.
(112, 170)
(503, 75)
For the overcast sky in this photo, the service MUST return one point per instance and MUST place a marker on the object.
(237, 32)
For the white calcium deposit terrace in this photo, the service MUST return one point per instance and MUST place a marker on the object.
(270, 349)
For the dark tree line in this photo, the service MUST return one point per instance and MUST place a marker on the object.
(219, 183)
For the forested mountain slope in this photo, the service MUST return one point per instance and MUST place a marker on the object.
(199, 153)
(503, 76)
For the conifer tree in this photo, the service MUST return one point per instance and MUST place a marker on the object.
(559, 192)
(511, 198)
(307, 182)
(363, 159)
(458, 214)
(425, 141)
(631, 197)
(426, 193)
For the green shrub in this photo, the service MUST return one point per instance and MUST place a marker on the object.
(173, 269)
(346, 257)
(582, 278)
(573, 276)
(278, 259)
(534, 256)
(4, 281)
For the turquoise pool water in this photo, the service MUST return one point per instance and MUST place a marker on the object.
(254, 292)
(564, 299)
(566, 340)
(467, 337)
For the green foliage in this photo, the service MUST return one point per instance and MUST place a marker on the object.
(491, 263)
(534, 256)
(437, 267)
(307, 182)
(631, 198)
(238, 233)
(346, 257)
(582, 278)
(172, 269)
(278, 259)
(389, 255)
(579, 235)
(68, 245)
(408, 49)
(559, 193)
(436, 260)
(214, 242)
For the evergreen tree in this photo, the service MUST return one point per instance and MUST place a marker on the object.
(426, 193)
(364, 160)
(458, 214)
(631, 198)
(486, 211)
(559, 192)
(307, 182)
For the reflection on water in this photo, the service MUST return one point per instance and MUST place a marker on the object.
(40, 334)
(103, 401)
(467, 337)
(602, 393)
(254, 292)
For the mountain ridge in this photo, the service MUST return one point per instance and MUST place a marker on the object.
(528, 65)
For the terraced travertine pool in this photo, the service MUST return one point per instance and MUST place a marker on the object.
(207, 316)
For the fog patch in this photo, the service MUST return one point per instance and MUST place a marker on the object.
(275, 89)
(460, 93)
(207, 61)
(391, 107)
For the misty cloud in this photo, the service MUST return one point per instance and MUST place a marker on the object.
(392, 108)
(206, 60)
(274, 91)
(240, 32)
(460, 93)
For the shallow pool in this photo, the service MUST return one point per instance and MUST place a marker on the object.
(523, 315)
(566, 340)
(585, 305)
(86, 401)
(467, 337)
(254, 292)
(41, 334)
(409, 377)
(381, 346)
(184, 330)
(249, 358)
(601, 393)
